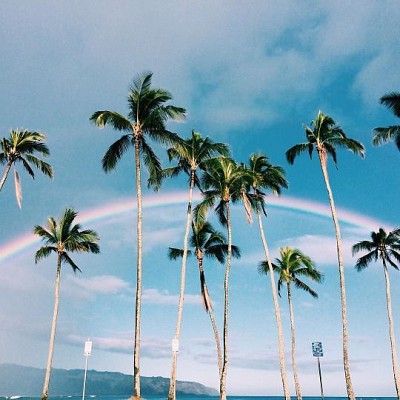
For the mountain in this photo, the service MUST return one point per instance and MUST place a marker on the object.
(28, 381)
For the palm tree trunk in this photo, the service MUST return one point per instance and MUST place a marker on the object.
(222, 386)
(346, 364)
(277, 312)
(45, 393)
(138, 299)
(172, 383)
(210, 312)
(292, 329)
(7, 170)
(391, 331)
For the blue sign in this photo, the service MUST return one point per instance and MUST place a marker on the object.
(317, 349)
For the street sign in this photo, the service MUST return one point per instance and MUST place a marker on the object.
(317, 349)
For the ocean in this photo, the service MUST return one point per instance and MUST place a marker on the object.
(115, 397)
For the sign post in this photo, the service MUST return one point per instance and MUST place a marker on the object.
(86, 353)
(318, 352)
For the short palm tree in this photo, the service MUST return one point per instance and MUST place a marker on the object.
(223, 183)
(191, 154)
(265, 176)
(21, 146)
(389, 133)
(291, 267)
(62, 237)
(147, 116)
(385, 247)
(206, 241)
(324, 136)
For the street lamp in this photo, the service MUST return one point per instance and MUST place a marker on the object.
(318, 352)
(86, 353)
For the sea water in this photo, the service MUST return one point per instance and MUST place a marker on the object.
(122, 397)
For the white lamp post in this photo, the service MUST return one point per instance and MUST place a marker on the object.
(86, 353)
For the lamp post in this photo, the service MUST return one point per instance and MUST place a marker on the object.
(86, 353)
(318, 352)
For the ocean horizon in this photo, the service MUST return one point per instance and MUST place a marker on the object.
(233, 397)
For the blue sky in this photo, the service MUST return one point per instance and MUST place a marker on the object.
(250, 74)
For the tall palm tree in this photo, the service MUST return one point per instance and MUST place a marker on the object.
(191, 154)
(223, 183)
(62, 237)
(265, 176)
(291, 267)
(385, 247)
(389, 133)
(324, 136)
(206, 241)
(147, 116)
(21, 146)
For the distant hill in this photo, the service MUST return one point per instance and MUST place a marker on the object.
(28, 381)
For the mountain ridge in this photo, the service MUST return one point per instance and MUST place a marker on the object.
(28, 381)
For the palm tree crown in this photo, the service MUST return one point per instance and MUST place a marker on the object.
(223, 181)
(147, 116)
(324, 136)
(192, 154)
(386, 134)
(21, 146)
(63, 237)
(383, 246)
(292, 265)
(205, 241)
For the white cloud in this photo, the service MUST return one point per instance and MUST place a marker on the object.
(97, 285)
(155, 296)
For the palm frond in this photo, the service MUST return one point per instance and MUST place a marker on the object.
(118, 121)
(18, 190)
(296, 150)
(115, 152)
(67, 259)
(385, 135)
(44, 252)
(43, 166)
(392, 101)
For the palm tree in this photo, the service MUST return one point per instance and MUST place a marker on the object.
(387, 134)
(385, 247)
(190, 154)
(324, 136)
(263, 175)
(21, 146)
(223, 182)
(206, 241)
(62, 237)
(147, 116)
(291, 266)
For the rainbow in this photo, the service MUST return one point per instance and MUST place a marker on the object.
(125, 205)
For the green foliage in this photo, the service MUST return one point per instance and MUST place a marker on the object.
(383, 246)
(290, 267)
(324, 136)
(64, 236)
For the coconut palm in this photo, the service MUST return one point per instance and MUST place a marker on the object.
(324, 136)
(21, 146)
(206, 241)
(385, 247)
(389, 133)
(291, 267)
(62, 237)
(147, 116)
(191, 154)
(265, 176)
(223, 183)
